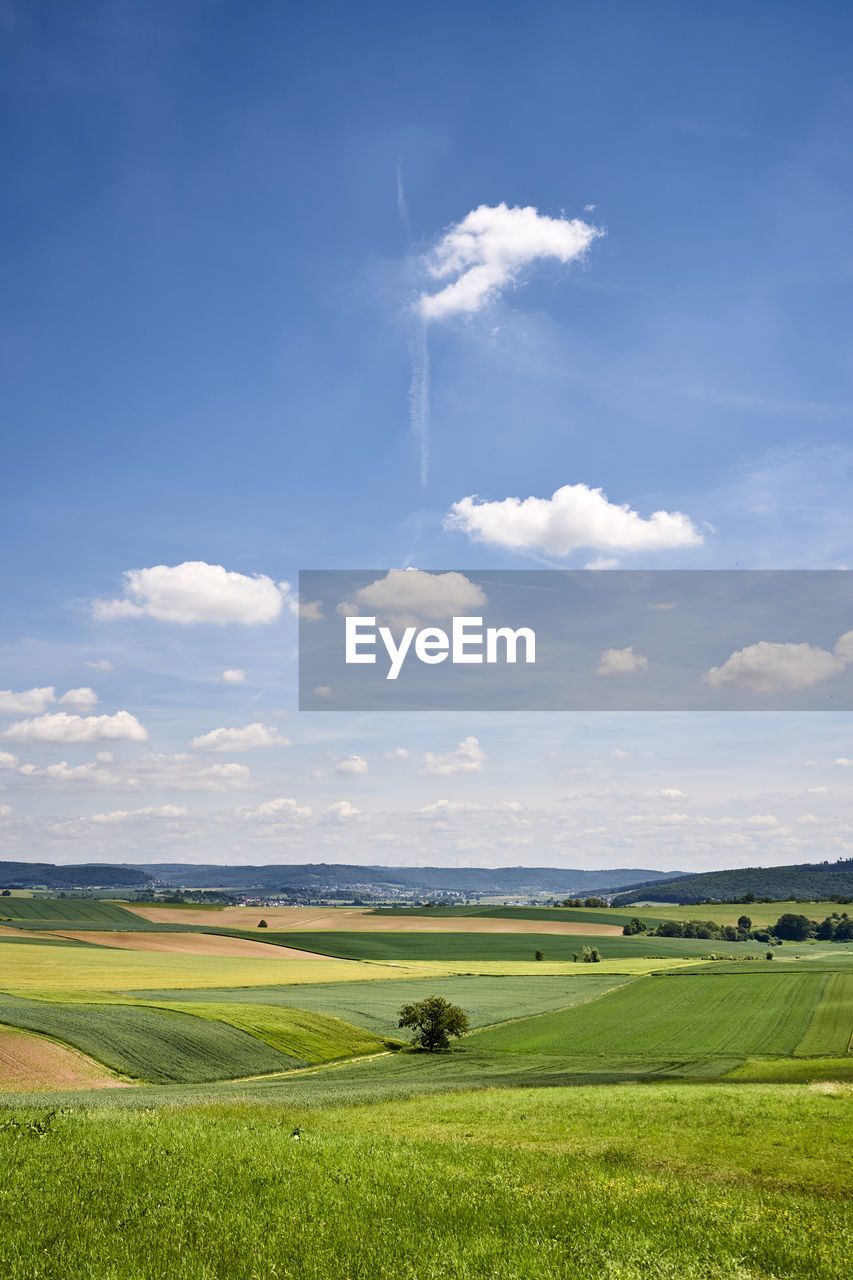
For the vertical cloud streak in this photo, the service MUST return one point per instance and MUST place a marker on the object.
(419, 397)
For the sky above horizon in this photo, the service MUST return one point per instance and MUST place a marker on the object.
(342, 287)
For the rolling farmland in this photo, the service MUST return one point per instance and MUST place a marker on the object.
(452, 946)
(830, 1030)
(173, 1050)
(700, 1015)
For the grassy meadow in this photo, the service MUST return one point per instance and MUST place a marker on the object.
(207, 1116)
(569, 1183)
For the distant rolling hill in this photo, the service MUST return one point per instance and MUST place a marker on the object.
(28, 875)
(805, 880)
(317, 878)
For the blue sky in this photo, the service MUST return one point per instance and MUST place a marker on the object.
(219, 221)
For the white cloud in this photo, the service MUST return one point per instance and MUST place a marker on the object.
(621, 662)
(352, 764)
(83, 699)
(232, 675)
(29, 702)
(844, 761)
(196, 592)
(322, 691)
(818, 791)
(278, 810)
(342, 811)
(672, 793)
(762, 820)
(449, 809)
(7, 760)
(5, 811)
(123, 815)
(183, 772)
(399, 753)
(407, 597)
(489, 248)
(92, 773)
(61, 727)
(575, 516)
(248, 738)
(100, 664)
(602, 562)
(766, 666)
(468, 757)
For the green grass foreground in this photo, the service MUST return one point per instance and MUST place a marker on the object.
(679, 1182)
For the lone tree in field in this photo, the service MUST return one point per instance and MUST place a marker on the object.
(434, 1021)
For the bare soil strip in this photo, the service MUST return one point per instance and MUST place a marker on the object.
(31, 1063)
(196, 944)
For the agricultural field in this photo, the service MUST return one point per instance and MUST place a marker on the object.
(40, 967)
(696, 1015)
(68, 913)
(361, 945)
(32, 1063)
(830, 1030)
(656, 1113)
(375, 1005)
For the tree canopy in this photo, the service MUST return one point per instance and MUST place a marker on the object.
(433, 1021)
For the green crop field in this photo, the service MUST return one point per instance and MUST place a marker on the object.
(572, 915)
(376, 1005)
(146, 1043)
(704, 1183)
(67, 913)
(699, 1016)
(831, 1028)
(305, 1036)
(491, 946)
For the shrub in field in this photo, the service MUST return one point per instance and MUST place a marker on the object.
(433, 1020)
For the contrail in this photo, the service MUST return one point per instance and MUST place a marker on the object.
(418, 355)
(402, 207)
(419, 396)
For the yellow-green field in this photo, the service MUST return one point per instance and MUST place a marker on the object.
(37, 968)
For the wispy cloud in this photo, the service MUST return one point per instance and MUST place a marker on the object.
(419, 396)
